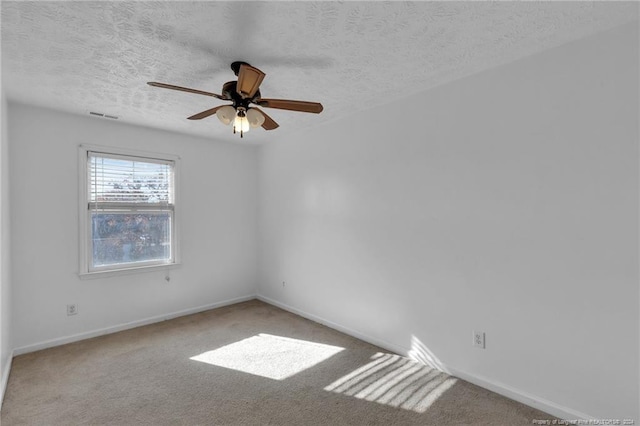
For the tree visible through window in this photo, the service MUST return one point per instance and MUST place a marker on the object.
(130, 208)
(123, 238)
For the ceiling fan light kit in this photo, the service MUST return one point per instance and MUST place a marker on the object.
(243, 92)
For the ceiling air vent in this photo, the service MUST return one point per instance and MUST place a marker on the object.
(99, 114)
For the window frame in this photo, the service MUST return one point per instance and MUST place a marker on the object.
(84, 211)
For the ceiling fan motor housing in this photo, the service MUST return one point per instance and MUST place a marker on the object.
(229, 92)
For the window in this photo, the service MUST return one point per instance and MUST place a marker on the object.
(128, 211)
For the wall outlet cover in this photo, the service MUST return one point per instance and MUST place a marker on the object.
(478, 339)
(72, 309)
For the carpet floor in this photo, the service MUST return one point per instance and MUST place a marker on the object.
(245, 364)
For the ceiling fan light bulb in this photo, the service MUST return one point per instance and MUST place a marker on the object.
(241, 124)
(255, 118)
(226, 114)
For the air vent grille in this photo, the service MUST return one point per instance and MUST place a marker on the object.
(99, 114)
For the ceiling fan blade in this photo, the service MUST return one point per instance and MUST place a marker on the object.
(268, 124)
(205, 114)
(185, 89)
(249, 79)
(303, 106)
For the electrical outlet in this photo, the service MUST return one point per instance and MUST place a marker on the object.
(478, 339)
(283, 284)
(72, 309)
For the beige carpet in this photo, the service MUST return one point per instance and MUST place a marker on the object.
(246, 364)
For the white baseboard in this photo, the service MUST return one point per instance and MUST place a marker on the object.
(541, 404)
(534, 401)
(5, 378)
(381, 343)
(133, 324)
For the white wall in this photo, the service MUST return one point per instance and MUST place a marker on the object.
(505, 202)
(218, 227)
(6, 344)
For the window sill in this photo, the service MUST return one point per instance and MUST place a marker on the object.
(126, 271)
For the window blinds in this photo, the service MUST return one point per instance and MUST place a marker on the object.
(120, 180)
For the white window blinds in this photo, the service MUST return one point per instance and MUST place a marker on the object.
(119, 180)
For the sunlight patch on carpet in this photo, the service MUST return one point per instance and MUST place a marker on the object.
(265, 355)
(395, 381)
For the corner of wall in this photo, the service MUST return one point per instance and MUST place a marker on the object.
(6, 349)
(4, 378)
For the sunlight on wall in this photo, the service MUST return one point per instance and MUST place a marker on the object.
(395, 381)
(420, 353)
(265, 355)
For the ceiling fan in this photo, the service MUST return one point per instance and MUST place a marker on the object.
(242, 93)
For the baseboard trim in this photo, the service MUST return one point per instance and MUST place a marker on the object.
(534, 401)
(126, 326)
(499, 388)
(353, 333)
(5, 378)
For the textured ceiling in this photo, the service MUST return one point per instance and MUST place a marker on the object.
(97, 56)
